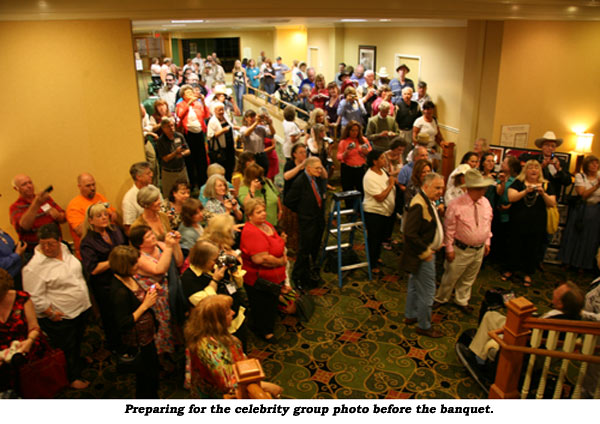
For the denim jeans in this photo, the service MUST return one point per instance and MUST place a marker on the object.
(419, 297)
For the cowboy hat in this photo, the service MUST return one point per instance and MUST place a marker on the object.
(403, 66)
(474, 179)
(423, 139)
(548, 136)
(383, 73)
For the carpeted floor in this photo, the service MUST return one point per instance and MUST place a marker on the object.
(354, 346)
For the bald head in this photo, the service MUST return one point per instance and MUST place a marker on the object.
(420, 153)
(87, 185)
(24, 186)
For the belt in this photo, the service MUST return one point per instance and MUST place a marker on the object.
(464, 246)
(352, 166)
(173, 171)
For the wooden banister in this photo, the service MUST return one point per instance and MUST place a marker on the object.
(249, 374)
(448, 160)
(579, 327)
(276, 100)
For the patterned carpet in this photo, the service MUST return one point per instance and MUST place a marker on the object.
(355, 346)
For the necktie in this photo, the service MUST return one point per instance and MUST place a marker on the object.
(314, 187)
(476, 214)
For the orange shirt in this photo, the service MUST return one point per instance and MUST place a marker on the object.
(76, 214)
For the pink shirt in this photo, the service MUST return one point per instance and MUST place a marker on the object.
(460, 222)
(353, 158)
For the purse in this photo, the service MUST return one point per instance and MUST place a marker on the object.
(215, 155)
(267, 286)
(552, 218)
(44, 377)
(129, 362)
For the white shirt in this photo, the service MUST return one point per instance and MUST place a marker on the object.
(290, 128)
(169, 96)
(57, 283)
(429, 128)
(214, 126)
(438, 239)
(582, 180)
(375, 184)
(131, 209)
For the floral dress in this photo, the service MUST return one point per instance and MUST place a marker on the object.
(164, 338)
(212, 368)
(15, 328)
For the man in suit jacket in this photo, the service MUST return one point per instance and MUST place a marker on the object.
(306, 197)
(423, 235)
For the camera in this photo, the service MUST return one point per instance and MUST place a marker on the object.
(227, 260)
(352, 145)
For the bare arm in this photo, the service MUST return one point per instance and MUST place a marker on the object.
(267, 260)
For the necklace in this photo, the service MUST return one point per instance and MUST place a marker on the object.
(530, 198)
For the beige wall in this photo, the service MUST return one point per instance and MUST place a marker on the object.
(442, 52)
(550, 79)
(324, 40)
(70, 105)
(290, 44)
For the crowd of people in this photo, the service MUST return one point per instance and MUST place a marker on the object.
(203, 260)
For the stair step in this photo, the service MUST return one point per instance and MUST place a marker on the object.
(346, 227)
(355, 266)
(335, 246)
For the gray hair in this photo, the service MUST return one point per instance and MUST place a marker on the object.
(312, 161)
(384, 106)
(429, 178)
(209, 190)
(165, 120)
(214, 168)
(147, 195)
(369, 72)
(138, 168)
(406, 89)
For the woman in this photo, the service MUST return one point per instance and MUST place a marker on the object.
(256, 128)
(214, 350)
(486, 167)
(471, 159)
(319, 94)
(153, 265)
(268, 77)
(331, 106)
(529, 195)
(244, 159)
(317, 116)
(161, 110)
(581, 238)
(205, 277)
(378, 205)
(99, 238)
(394, 163)
(178, 194)
(219, 200)
(18, 322)
(132, 309)
(252, 72)
(481, 146)
(221, 138)
(221, 231)
(264, 258)
(421, 168)
(352, 153)
(192, 113)
(300, 75)
(155, 72)
(385, 95)
(318, 146)
(149, 199)
(350, 109)
(190, 229)
(240, 81)
(256, 186)
(456, 181)
(11, 256)
(427, 124)
(289, 218)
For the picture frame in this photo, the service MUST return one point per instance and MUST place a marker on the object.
(367, 56)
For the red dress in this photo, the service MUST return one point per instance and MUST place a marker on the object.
(273, 160)
(15, 328)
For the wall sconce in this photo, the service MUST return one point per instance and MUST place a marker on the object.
(583, 146)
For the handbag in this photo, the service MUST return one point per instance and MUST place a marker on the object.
(44, 377)
(129, 362)
(216, 155)
(267, 286)
(552, 218)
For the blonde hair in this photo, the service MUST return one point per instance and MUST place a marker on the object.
(529, 164)
(312, 120)
(92, 211)
(251, 204)
(219, 230)
(210, 191)
(209, 320)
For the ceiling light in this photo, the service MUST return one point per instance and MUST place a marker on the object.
(353, 20)
(187, 21)
(385, 20)
(515, 7)
(572, 9)
(173, 25)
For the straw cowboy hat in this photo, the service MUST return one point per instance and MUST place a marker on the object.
(423, 139)
(383, 73)
(548, 136)
(474, 179)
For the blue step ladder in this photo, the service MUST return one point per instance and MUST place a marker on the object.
(354, 222)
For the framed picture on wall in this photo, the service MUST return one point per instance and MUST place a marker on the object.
(367, 56)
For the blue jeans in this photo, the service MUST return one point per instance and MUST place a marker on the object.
(419, 297)
(239, 90)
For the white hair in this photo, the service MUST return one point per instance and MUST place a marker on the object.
(406, 89)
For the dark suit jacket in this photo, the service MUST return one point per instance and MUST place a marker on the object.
(558, 180)
(419, 231)
(300, 198)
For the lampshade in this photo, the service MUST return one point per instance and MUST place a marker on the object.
(584, 143)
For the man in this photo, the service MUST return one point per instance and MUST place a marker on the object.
(209, 72)
(467, 237)
(171, 149)
(280, 70)
(77, 207)
(553, 168)
(368, 91)
(341, 70)
(310, 78)
(423, 236)
(306, 197)
(198, 60)
(567, 300)
(420, 152)
(59, 293)
(359, 75)
(407, 112)
(169, 91)
(381, 128)
(31, 211)
(421, 96)
(400, 83)
(142, 176)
